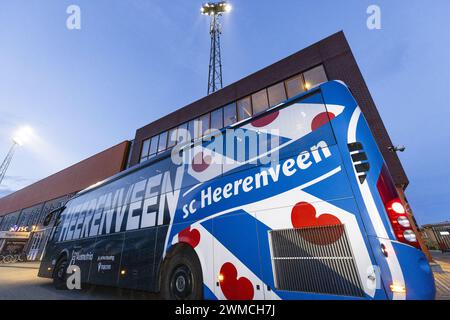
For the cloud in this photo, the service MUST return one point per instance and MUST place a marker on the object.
(11, 184)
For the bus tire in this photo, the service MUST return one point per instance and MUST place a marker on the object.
(60, 274)
(182, 277)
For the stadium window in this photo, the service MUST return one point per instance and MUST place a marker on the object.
(217, 119)
(143, 159)
(153, 146)
(145, 148)
(191, 129)
(182, 132)
(172, 138)
(277, 94)
(294, 86)
(315, 77)
(162, 144)
(260, 102)
(204, 124)
(229, 114)
(244, 108)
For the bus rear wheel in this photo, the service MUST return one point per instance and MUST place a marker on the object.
(182, 276)
(60, 274)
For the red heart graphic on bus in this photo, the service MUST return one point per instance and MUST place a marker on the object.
(266, 120)
(304, 215)
(321, 119)
(200, 163)
(191, 237)
(235, 288)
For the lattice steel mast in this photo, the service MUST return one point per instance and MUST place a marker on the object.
(7, 161)
(215, 10)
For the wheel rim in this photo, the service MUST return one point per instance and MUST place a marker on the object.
(61, 271)
(181, 282)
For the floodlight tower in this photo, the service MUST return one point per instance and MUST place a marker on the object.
(19, 138)
(215, 10)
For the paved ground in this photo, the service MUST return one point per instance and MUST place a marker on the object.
(20, 281)
(442, 275)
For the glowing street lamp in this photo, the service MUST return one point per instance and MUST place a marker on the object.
(21, 136)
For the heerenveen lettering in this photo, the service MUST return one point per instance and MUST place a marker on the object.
(124, 209)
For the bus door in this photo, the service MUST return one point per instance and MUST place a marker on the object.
(108, 253)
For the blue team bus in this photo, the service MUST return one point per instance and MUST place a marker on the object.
(293, 203)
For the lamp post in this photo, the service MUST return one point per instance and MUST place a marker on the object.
(215, 10)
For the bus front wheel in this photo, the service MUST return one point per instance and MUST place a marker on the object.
(182, 275)
(60, 274)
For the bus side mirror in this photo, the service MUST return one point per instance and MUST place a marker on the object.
(47, 219)
(50, 215)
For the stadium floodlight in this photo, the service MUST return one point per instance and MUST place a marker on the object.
(215, 10)
(21, 136)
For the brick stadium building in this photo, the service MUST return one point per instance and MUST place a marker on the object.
(28, 207)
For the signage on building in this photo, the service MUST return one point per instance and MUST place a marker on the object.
(14, 235)
(19, 229)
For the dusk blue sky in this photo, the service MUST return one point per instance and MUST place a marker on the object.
(134, 61)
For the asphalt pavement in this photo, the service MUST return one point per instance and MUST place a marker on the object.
(20, 281)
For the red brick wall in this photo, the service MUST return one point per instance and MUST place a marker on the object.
(70, 180)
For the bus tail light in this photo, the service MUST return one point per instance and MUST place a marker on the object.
(395, 210)
(397, 288)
